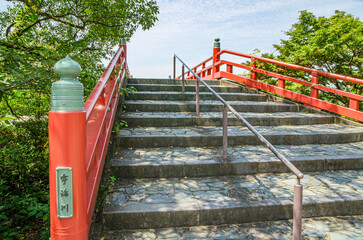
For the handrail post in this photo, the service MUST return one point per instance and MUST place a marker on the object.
(253, 74)
(123, 44)
(354, 104)
(174, 67)
(67, 149)
(229, 68)
(314, 80)
(203, 70)
(297, 210)
(197, 96)
(124, 55)
(225, 125)
(216, 49)
(183, 81)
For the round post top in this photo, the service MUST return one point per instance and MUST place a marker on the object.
(67, 68)
(217, 44)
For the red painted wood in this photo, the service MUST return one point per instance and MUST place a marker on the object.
(281, 83)
(229, 69)
(358, 115)
(79, 139)
(67, 148)
(296, 67)
(354, 104)
(314, 80)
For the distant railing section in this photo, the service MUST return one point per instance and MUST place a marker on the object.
(78, 140)
(213, 71)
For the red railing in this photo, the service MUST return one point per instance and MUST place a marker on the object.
(78, 140)
(213, 72)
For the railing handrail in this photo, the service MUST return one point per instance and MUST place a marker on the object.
(292, 167)
(94, 96)
(200, 64)
(296, 67)
(298, 188)
(350, 108)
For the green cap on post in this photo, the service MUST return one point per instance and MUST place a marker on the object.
(67, 93)
(217, 44)
(123, 41)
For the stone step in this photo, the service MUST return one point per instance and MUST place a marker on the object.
(181, 202)
(206, 106)
(341, 227)
(190, 96)
(169, 81)
(180, 119)
(202, 136)
(178, 88)
(197, 162)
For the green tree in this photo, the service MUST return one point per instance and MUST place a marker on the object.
(34, 35)
(332, 44)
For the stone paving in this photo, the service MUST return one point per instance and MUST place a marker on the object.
(240, 130)
(333, 228)
(179, 155)
(204, 102)
(233, 188)
(177, 115)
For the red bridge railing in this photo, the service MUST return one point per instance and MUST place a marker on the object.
(213, 71)
(78, 140)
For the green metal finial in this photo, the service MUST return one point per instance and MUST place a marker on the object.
(123, 41)
(217, 44)
(67, 93)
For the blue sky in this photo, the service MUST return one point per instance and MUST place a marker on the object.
(188, 28)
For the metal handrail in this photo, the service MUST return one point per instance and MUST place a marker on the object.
(297, 209)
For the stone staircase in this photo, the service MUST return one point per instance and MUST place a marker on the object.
(169, 169)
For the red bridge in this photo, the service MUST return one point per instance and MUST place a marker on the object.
(79, 133)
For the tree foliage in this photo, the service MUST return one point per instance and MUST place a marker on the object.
(332, 44)
(34, 35)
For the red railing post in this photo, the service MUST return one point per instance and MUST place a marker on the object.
(216, 49)
(354, 104)
(203, 70)
(253, 74)
(281, 83)
(123, 44)
(314, 80)
(229, 68)
(67, 148)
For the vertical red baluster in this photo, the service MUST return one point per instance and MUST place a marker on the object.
(229, 68)
(314, 80)
(203, 71)
(253, 74)
(354, 104)
(216, 49)
(281, 83)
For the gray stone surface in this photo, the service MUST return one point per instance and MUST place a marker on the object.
(250, 192)
(179, 119)
(279, 230)
(232, 188)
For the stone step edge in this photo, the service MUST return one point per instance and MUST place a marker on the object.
(205, 120)
(216, 167)
(240, 139)
(214, 213)
(179, 85)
